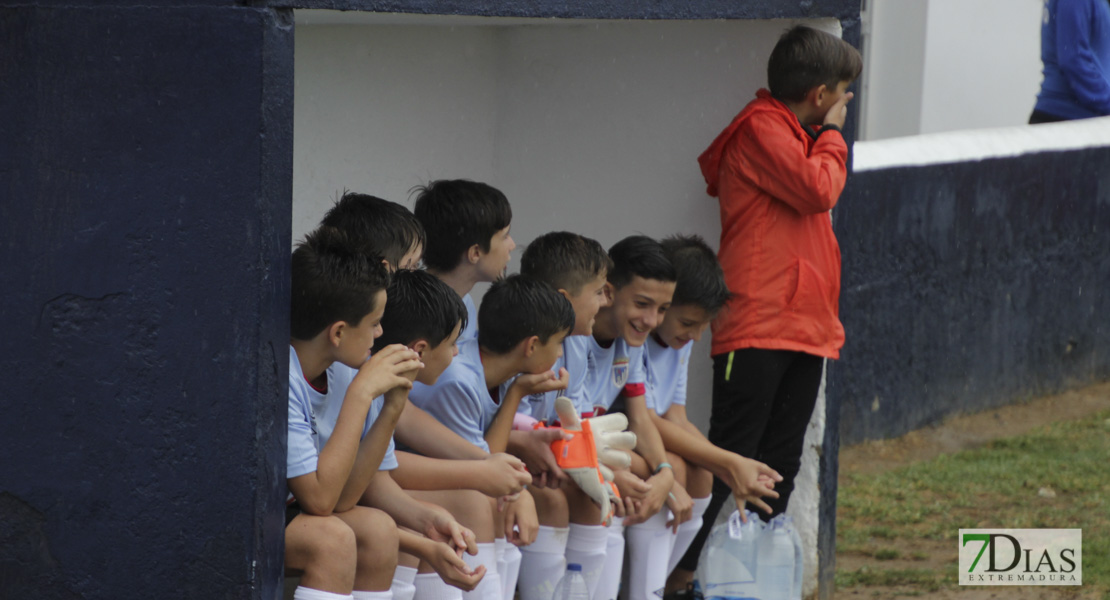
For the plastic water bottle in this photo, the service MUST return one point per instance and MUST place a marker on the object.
(775, 571)
(572, 586)
(799, 560)
(727, 569)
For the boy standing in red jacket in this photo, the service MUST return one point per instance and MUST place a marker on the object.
(778, 170)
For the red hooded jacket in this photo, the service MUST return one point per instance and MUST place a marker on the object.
(776, 185)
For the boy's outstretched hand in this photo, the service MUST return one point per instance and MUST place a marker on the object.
(386, 369)
(838, 113)
(751, 481)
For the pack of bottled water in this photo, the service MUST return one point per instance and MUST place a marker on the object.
(752, 560)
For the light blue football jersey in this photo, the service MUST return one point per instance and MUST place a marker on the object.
(304, 445)
(666, 370)
(611, 372)
(327, 407)
(459, 399)
(469, 334)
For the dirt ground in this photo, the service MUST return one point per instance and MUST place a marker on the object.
(953, 435)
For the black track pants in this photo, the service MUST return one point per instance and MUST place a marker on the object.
(762, 403)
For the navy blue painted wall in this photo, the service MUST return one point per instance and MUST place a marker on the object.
(597, 9)
(145, 183)
(969, 286)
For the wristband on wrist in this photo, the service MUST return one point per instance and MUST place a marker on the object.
(662, 465)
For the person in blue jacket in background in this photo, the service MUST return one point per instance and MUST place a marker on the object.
(1075, 50)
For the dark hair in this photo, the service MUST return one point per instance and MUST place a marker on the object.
(564, 260)
(332, 281)
(378, 227)
(639, 255)
(701, 282)
(805, 58)
(457, 214)
(420, 307)
(516, 308)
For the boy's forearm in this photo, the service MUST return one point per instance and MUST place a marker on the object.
(648, 443)
(692, 448)
(384, 494)
(415, 544)
(415, 472)
(421, 431)
(497, 434)
(369, 458)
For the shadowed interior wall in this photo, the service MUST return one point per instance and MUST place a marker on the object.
(145, 171)
(971, 285)
(588, 127)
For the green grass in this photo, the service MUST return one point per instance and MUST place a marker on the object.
(920, 579)
(990, 487)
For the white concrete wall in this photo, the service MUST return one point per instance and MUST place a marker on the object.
(592, 127)
(942, 65)
(894, 65)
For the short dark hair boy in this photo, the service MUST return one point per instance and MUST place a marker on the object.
(780, 257)
(379, 227)
(467, 224)
(639, 256)
(426, 315)
(806, 58)
(420, 307)
(522, 323)
(338, 297)
(700, 280)
(518, 307)
(458, 214)
(332, 281)
(565, 260)
(577, 267)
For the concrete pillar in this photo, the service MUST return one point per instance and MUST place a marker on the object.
(145, 183)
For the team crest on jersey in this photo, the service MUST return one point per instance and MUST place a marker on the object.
(620, 371)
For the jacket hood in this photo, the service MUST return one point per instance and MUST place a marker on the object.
(710, 160)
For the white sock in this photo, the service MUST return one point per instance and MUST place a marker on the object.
(499, 546)
(430, 587)
(586, 546)
(649, 548)
(490, 586)
(687, 532)
(543, 562)
(303, 593)
(510, 571)
(402, 587)
(610, 581)
(366, 595)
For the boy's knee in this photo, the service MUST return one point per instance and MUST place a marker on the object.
(472, 510)
(375, 531)
(551, 506)
(699, 481)
(323, 549)
(581, 509)
(331, 539)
